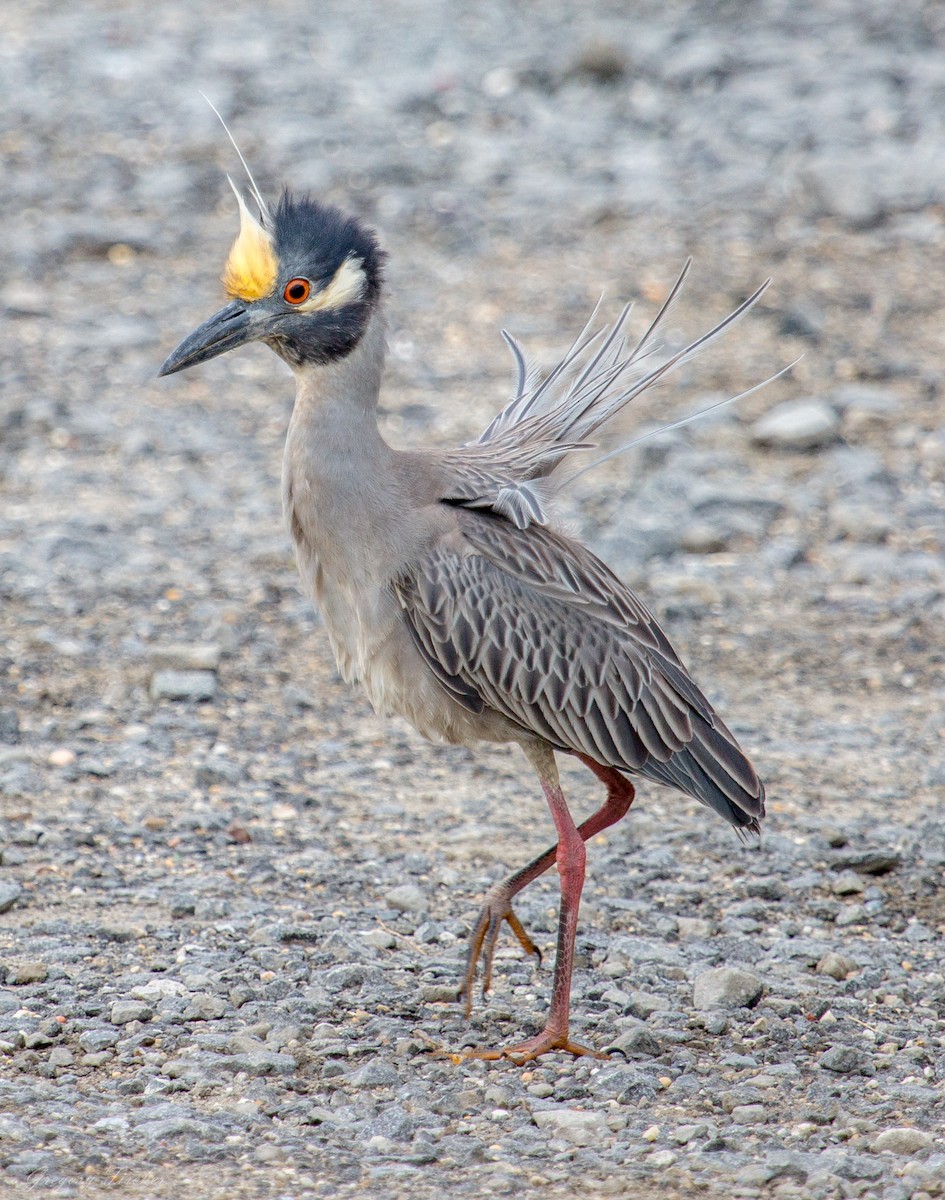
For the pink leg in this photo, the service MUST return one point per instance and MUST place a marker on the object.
(570, 856)
(498, 903)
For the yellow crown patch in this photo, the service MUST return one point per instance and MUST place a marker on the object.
(251, 269)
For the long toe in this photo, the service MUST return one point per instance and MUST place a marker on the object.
(524, 1052)
(482, 944)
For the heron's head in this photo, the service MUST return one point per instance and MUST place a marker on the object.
(304, 278)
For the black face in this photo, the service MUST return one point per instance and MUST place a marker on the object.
(315, 241)
(318, 237)
(329, 279)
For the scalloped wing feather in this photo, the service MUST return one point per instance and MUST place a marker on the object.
(532, 625)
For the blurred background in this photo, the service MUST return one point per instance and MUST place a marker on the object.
(519, 159)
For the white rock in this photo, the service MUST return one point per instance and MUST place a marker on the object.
(183, 685)
(797, 425)
(573, 1125)
(407, 898)
(157, 989)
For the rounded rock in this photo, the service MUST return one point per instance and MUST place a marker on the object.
(903, 1141)
(835, 965)
(797, 425)
(726, 987)
(9, 894)
(847, 1060)
(572, 1125)
(123, 1012)
(407, 898)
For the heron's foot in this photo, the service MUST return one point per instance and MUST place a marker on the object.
(524, 1052)
(482, 942)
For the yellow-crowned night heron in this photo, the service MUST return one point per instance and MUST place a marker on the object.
(444, 590)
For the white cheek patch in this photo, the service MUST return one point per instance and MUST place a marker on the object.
(346, 286)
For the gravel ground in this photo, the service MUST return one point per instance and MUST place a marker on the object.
(234, 902)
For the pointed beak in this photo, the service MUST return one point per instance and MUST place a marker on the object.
(231, 327)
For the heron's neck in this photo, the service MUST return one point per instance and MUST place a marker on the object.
(336, 402)
(338, 470)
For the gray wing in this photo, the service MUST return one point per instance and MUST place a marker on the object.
(534, 626)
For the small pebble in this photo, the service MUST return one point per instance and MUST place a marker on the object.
(381, 940)
(797, 425)
(123, 1012)
(748, 1114)
(835, 965)
(847, 1060)
(572, 1125)
(183, 685)
(94, 1040)
(407, 898)
(847, 883)
(181, 657)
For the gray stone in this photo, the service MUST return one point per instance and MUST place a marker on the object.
(10, 892)
(749, 1114)
(123, 1012)
(726, 987)
(380, 939)
(847, 883)
(868, 862)
(27, 972)
(903, 1141)
(803, 320)
(843, 185)
(645, 1004)
(9, 726)
(394, 1123)
(797, 425)
(182, 657)
(216, 771)
(860, 522)
(183, 685)
(835, 965)
(259, 1062)
(94, 1040)
(682, 1135)
(572, 1125)
(374, 1074)
(407, 898)
(847, 1060)
(205, 1007)
(852, 914)
(637, 1040)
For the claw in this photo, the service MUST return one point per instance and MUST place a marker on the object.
(524, 940)
(483, 941)
(531, 1048)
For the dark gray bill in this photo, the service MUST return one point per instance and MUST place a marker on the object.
(227, 329)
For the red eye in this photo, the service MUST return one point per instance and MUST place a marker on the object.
(297, 291)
